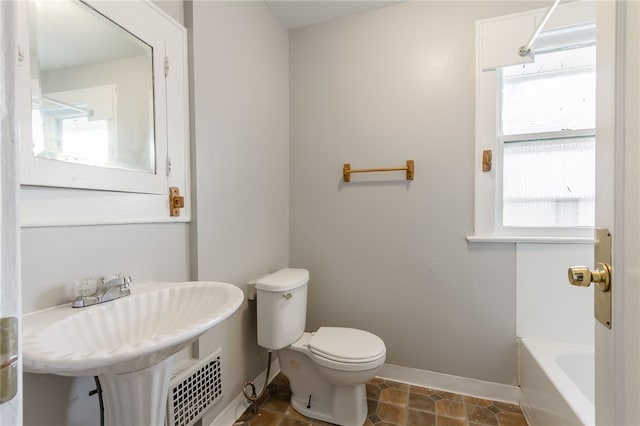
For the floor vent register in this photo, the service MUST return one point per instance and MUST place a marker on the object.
(194, 390)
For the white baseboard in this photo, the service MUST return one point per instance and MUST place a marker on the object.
(413, 376)
(234, 410)
(456, 384)
(528, 412)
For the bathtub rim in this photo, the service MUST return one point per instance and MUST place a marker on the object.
(543, 352)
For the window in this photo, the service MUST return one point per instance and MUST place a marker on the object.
(547, 119)
(538, 120)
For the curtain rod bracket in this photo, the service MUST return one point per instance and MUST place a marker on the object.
(523, 51)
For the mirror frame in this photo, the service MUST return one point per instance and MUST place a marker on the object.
(55, 193)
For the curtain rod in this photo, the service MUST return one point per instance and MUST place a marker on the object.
(526, 49)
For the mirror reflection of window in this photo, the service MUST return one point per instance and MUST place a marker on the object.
(79, 126)
(92, 89)
(76, 132)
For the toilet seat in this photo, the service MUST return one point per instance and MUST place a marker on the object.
(346, 348)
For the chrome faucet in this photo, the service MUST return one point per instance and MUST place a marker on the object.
(102, 289)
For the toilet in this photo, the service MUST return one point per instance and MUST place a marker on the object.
(327, 369)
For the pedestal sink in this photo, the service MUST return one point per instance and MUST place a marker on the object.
(130, 343)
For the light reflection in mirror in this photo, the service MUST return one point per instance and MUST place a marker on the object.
(92, 89)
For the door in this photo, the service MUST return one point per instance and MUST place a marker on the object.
(617, 208)
(10, 361)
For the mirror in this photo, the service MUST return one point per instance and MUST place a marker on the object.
(113, 74)
(92, 89)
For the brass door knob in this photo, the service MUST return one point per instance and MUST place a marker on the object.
(583, 276)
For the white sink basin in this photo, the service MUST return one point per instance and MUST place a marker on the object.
(128, 334)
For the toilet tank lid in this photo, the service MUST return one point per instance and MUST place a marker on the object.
(283, 280)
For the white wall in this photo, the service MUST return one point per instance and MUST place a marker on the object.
(240, 104)
(173, 8)
(385, 255)
(547, 306)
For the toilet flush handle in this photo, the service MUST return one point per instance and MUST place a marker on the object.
(287, 296)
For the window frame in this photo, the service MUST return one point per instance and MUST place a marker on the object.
(488, 185)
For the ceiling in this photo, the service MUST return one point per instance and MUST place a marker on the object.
(294, 14)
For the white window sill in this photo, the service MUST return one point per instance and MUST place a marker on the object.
(528, 239)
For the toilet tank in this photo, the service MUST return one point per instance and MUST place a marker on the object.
(282, 307)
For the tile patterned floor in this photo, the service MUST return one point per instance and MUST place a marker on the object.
(392, 404)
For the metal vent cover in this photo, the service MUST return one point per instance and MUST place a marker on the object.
(193, 391)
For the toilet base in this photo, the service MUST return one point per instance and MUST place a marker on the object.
(314, 397)
(349, 407)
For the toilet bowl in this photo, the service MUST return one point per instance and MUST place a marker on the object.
(327, 371)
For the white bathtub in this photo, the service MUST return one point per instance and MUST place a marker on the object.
(557, 380)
